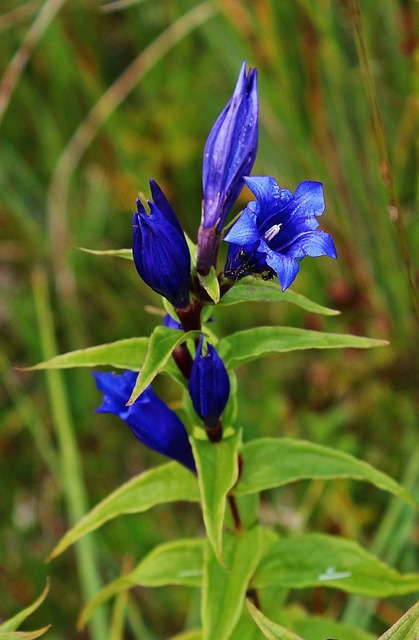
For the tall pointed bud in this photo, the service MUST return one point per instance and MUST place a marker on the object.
(159, 249)
(229, 155)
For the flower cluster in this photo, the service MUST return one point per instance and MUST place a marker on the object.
(272, 234)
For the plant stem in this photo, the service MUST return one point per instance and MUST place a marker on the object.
(208, 244)
(215, 434)
(183, 360)
(235, 513)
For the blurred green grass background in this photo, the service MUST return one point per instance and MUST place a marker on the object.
(95, 99)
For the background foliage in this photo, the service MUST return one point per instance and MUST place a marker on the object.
(112, 94)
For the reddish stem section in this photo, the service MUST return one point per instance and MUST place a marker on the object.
(215, 434)
(208, 244)
(190, 317)
(183, 360)
(235, 513)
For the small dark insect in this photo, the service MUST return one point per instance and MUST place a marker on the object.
(246, 266)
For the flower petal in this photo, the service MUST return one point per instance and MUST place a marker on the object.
(245, 230)
(116, 390)
(286, 268)
(266, 190)
(290, 230)
(313, 244)
(164, 205)
(308, 199)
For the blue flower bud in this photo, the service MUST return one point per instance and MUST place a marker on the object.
(171, 323)
(276, 231)
(159, 249)
(209, 385)
(230, 150)
(149, 418)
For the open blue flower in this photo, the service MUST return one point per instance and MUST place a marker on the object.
(209, 385)
(276, 231)
(230, 150)
(159, 249)
(149, 418)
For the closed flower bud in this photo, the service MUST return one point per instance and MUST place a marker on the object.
(149, 418)
(229, 155)
(159, 249)
(209, 385)
(230, 150)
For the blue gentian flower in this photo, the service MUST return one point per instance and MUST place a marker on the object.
(230, 150)
(209, 385)
(150, 420)
(159, 249)
(276, 231)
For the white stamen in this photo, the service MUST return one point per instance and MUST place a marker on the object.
(271, 233)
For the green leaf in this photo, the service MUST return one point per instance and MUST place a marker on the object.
(176, 562)
(179, 562)
(407, 628)
(217, 466)
(193, 250)
(167, 483)
(270, 629)
(315, 560)
(230, 411)
(23, 635)
(255, 290)
(319, 628)
(211, 285)
(13, 623)
(245, 628)
(192, 634)
(123, 354)
(274, 462)
(169, 308)
(161, 344)
(224, 589)
(251, 344)
(119, 253)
